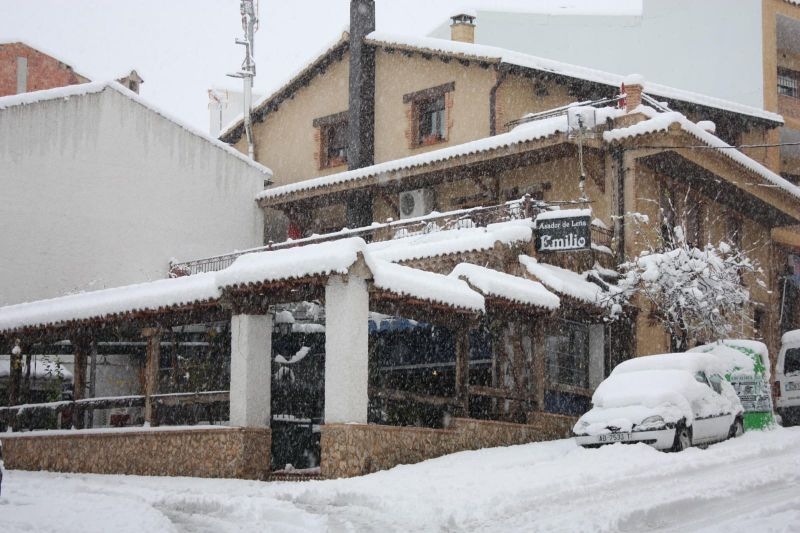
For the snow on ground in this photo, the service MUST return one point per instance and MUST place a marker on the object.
(749, 484)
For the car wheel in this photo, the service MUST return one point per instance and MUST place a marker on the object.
(737, 429)
(683, 439)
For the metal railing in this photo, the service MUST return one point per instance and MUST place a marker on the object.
(471, 217)
(525, 207)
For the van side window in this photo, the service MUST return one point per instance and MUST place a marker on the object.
(791, 361)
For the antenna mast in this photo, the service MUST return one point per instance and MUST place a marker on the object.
(248, 9)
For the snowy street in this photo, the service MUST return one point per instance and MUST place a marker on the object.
(750, 484)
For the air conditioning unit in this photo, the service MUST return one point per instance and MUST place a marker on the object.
(416, 203)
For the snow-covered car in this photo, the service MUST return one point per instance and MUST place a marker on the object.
(669, 401)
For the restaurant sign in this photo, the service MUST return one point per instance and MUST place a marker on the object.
(563, 234)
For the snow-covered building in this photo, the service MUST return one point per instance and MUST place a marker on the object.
(455, 216)
(749, 54)
(103, 189)
(24, 68)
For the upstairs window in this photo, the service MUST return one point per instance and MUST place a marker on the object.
(788, 82)
(428, 113)
(331, 133)
(431, 121)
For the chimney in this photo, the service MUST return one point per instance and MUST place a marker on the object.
(632, 87)
(22, 75)
(361, 114)
(132, 81)
(462, 28)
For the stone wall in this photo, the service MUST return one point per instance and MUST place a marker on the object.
(201, 452)
(357, 449)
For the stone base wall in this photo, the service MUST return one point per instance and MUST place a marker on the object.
(203, 452)
(356, 449)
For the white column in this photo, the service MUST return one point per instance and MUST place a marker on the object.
(251, 370)
(346, 350)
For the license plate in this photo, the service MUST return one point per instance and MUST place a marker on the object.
(614, 437)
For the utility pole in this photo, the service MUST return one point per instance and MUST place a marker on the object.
(248, 9)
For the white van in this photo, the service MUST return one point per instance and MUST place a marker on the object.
(787, 379)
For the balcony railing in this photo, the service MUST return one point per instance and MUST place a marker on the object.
(462, 218)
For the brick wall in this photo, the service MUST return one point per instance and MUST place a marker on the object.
(44, 71)
(201, 452)
(356, 449)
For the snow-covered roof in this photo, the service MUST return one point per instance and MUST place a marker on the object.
(154, 295)
(333, 257)
(293, 81)
(83, 89)
(531, 131)
(45, 51)
(454, 241)
(423, 285)
(563, 281)
(501, 285)
(501, 55)
(496, 55)
(791, 337)
(661, 121)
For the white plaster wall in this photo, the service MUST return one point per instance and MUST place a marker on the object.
(251, 370)
(346, 350)
(713, 47)
(98, 191)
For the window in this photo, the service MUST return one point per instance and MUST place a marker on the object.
(335, 140)
(791, 363)
(428, 115)
(716, 383)
(431, 121)
(787, 82)
(332, 140)
(567, 354)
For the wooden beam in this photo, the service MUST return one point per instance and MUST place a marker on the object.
(82, 345)
(494, 392)
(408, 396)
(153, 336)
(539, 363)
(462, 372)
(15, 373)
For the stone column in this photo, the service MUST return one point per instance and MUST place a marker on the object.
(346, 350)
(251, 370)
(152, 359)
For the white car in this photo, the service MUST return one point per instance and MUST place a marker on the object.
(669, 401)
